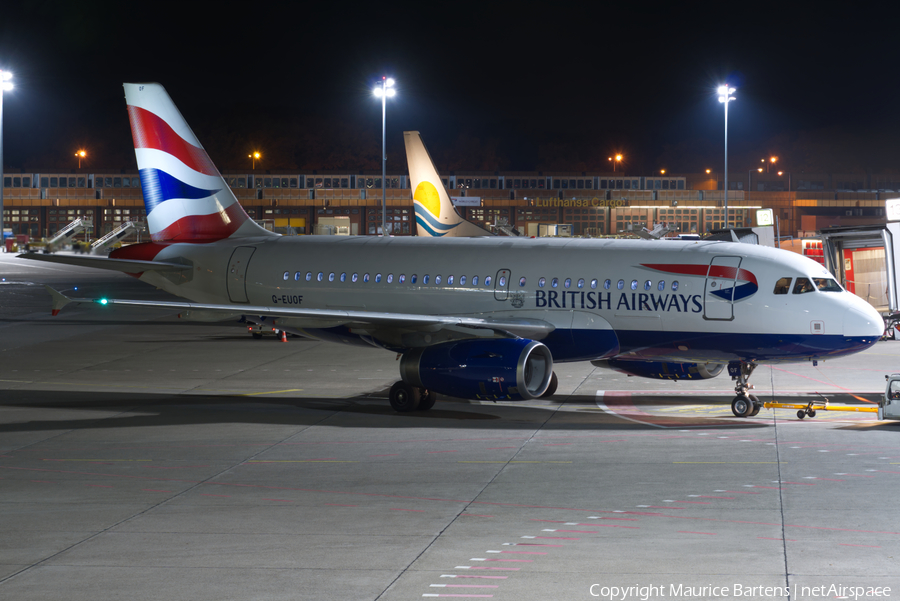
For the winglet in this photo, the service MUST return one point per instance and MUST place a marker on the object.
(59, 300)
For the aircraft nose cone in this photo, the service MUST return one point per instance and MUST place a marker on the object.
(863, 321)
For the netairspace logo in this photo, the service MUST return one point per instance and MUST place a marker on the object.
(737, 591)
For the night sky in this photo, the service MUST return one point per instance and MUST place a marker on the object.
(491, 86)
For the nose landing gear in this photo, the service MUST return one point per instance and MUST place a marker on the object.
(744, 404)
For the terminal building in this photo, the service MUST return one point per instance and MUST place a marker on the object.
(591, 204)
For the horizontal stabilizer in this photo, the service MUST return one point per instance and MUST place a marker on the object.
(123, 265)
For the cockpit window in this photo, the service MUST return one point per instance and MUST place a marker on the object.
(802, 286)
(827, 285)
(782, 286)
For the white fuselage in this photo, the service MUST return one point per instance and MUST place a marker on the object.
(633, 299)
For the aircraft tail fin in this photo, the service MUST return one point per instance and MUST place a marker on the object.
(435, 214)
(186, 198)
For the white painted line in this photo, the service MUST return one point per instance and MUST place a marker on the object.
(603, 406)
(526, 537)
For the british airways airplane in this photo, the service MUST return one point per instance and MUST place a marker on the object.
(475, 318)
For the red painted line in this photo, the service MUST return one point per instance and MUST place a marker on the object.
(557, 444)
(526, 552)
(626, 519)
(577, 531)
(712, 497)
(830, 479)
(536, 545)
(466, 596)
(696, 502)
(154, 490)
(511, 560)
(469, 586)
(489, 568)
(743, 492)
(869, 546)
(478, 576)
(558, 537)
(790, 540)
(661, 507)
(611, 526)
(692, 532)
(499, 448)
(802, 483)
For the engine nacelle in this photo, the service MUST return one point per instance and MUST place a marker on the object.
(509, 368)
(662, 370)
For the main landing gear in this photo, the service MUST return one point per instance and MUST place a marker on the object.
(744, 404)
(405, 398)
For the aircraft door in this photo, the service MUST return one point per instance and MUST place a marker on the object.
(237, 273)
(720, 284)
(501, 285)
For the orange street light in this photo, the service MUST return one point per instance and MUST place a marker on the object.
(255, 156)
(81, 154)
(708, 171)
(618, 159)
(662, 171)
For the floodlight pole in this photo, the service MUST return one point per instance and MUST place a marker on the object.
(5, 84)
(725, 96)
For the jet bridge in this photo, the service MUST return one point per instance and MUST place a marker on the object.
(864, 259)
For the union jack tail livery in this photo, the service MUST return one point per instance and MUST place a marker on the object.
(185, 196)
(435, 215)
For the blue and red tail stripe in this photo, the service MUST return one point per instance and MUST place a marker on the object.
(149, 131)
(159, 186)
(749, 286)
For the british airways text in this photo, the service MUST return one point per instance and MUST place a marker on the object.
(634, 301)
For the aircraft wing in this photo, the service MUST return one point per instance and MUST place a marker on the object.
(526, 328)
(123, 265)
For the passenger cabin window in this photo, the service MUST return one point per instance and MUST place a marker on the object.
(782, 286)
(827, 285)
(802, 286)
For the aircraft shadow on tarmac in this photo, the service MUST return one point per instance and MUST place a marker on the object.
(146, 410)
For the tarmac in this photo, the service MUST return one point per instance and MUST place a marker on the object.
(143, 457)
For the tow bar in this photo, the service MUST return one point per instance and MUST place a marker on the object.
(810, 408)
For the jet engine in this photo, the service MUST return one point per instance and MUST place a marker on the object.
(661, 370)
(509, 369)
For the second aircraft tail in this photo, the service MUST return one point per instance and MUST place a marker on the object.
(436, 216)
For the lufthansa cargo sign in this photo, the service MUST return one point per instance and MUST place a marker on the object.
(580, 202)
